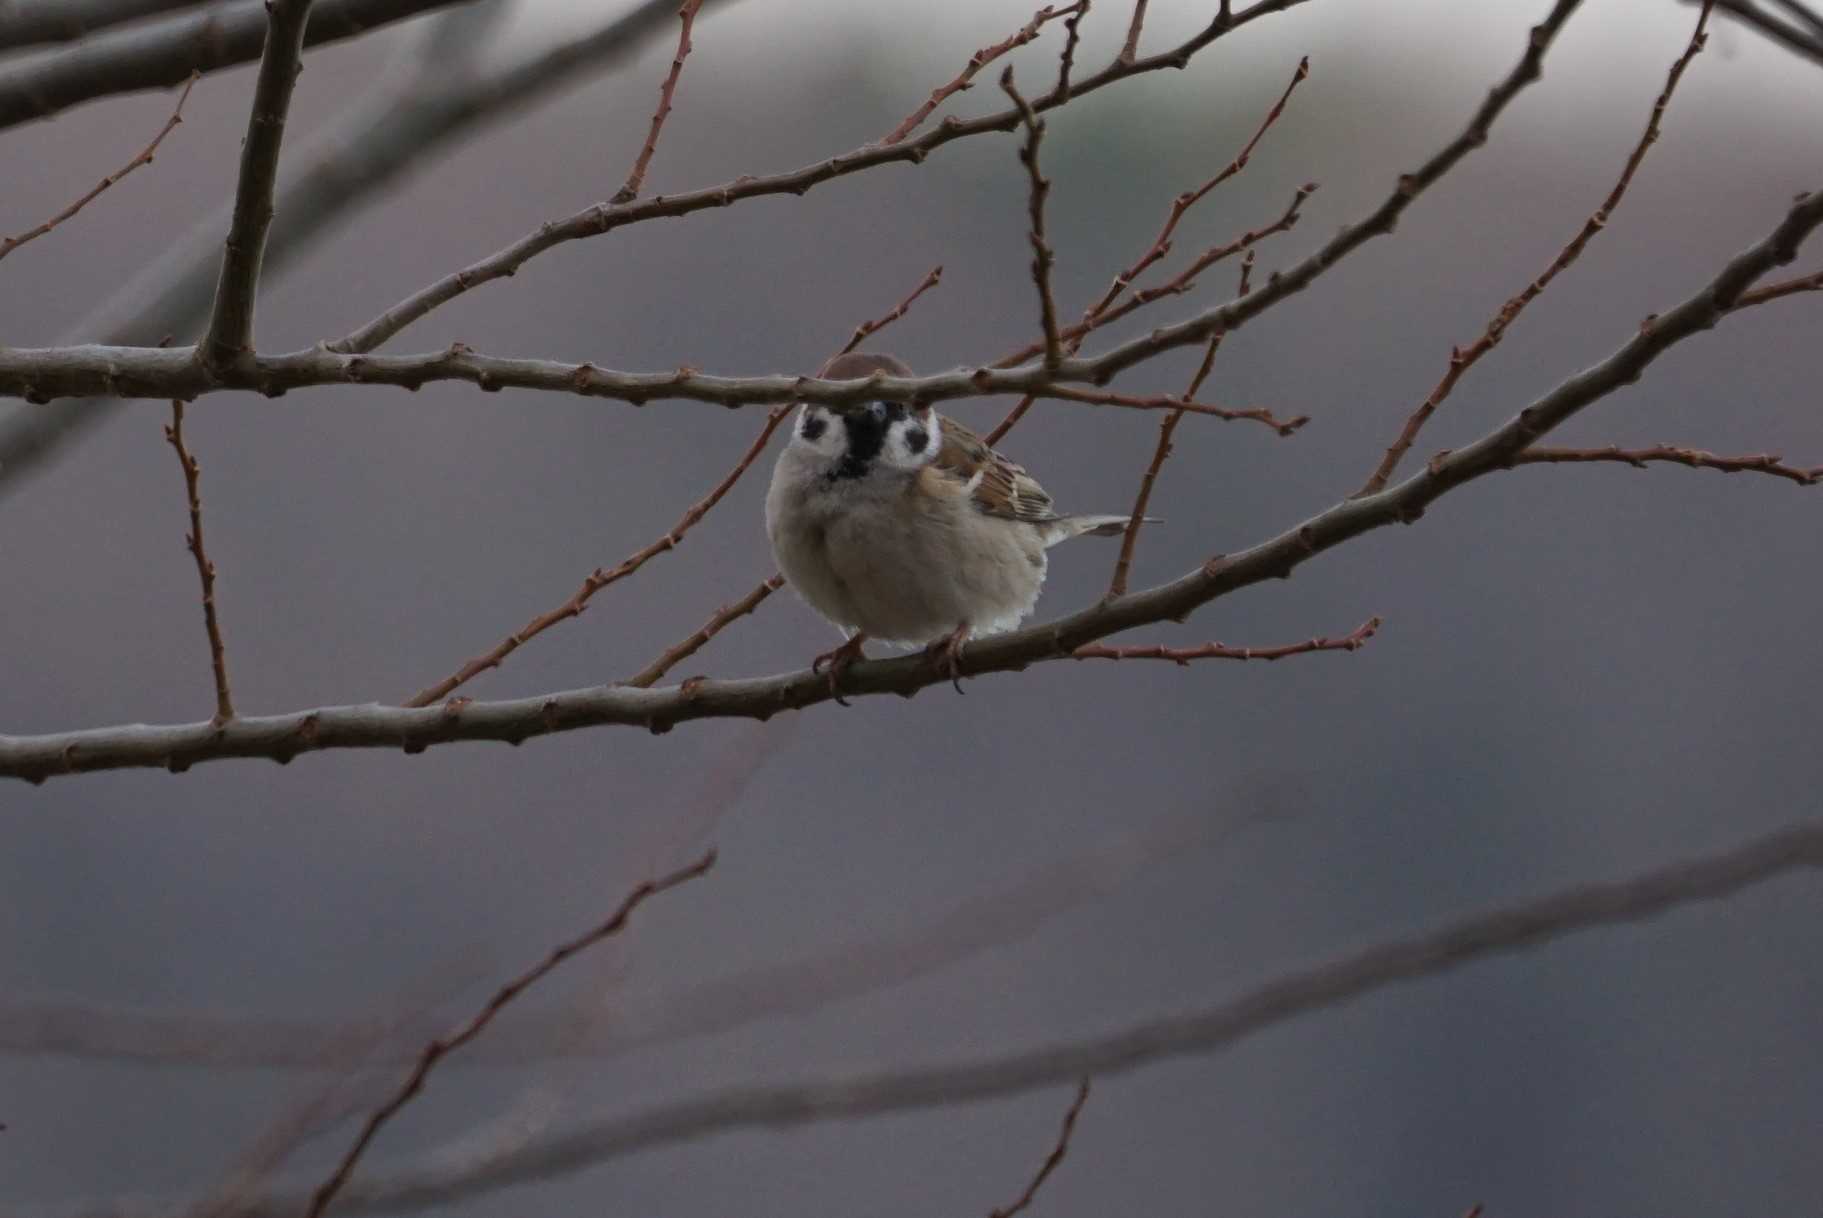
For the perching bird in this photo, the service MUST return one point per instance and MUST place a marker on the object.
(898, 524)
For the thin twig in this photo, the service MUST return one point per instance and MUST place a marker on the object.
(1523, 926)
(1042, 257)
(9, 244)
(600, 578)
(231, 322)
(1784, 287)
(1353, 641)
(438, 1049)
(1130, 49)
(1161, 245)
(1180, 283)
(205, 569)
(1058, 1151)
(1464, 358)
(1694, 458)
(1166, 401)
(868, 329)
(636, 178)
(965, 79)
(673, 656)
(1066, 59)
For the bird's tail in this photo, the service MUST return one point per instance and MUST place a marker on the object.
(1089, 526)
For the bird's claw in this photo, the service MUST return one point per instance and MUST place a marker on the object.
(837, 660)
(946, 654)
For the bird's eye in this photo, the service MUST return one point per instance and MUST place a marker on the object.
(878, 410)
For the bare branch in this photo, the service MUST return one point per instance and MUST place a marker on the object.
(205, 569)
(868, 329)
(979, 60)
(1051, 1160)
(1805, 42)
(161, 55)
(438, 1049)
(9, 244)
(1130, 49)
(1353, 641)
(1040, 190)
(1694, 458)
(282, 737)
(1462, 359)
(604, 218)
(1780, 290)
(1066, 59)
(636, 178)
(673, 656)
(1524, 926)
(25, 23)
(1123, 564)
(231, 325)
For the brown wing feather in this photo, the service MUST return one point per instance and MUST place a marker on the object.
(996, 486)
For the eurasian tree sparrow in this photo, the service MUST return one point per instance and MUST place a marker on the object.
(899, 524)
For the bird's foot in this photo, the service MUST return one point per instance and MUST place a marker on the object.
(838, 659)
(946, 654)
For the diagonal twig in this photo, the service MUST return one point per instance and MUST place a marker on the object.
(1354, 640)
(231, 322)
(868, 329)
(1784, 287)
(438, 1049)
(1130, 49)
(1058, 1151)
(205, 569)
(636, 177)
(965, 79)
(1042, 255)
(9, 244)
(1464, 358)
(650, 675)
(1066, 59)
(1694, 458)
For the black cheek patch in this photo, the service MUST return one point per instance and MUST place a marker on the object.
(915, 439)
(814, 426)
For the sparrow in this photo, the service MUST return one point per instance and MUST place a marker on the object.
(899, 524)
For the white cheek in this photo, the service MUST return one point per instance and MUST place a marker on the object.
(900, 454)
(826, 441)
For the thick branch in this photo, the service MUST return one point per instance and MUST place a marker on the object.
(281, 737)
(160, 55)
(231, 325)
(25, 23)
(1520, 927)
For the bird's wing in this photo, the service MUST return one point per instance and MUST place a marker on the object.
(995, 485)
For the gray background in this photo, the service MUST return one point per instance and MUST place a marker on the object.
(1584, 671)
